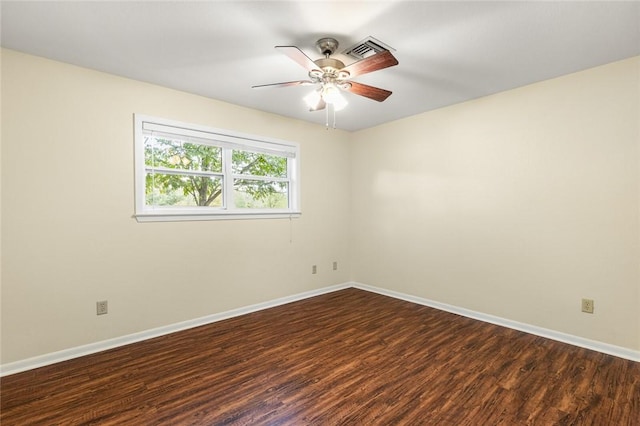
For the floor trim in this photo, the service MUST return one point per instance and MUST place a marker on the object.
(582, 342)
(91, 348)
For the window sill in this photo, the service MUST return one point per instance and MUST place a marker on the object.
(186, 217)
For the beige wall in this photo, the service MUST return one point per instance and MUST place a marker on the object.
(68, 237)
(516, 205)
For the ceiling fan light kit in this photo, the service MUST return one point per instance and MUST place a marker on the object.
(329, 94)
(333, 76)
(332, 96)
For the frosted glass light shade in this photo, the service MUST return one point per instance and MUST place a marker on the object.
(313, 99)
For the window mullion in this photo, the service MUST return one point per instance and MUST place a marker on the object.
(227, 162)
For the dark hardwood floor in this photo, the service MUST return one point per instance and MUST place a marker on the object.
(344, 358)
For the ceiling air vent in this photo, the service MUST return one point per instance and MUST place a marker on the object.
(367, 47)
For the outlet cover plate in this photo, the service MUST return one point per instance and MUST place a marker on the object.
(587, 306)
(102, 307)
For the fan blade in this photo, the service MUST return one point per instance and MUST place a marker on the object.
(372, 63)
(367, 91)
(298, 55)
(285, 84)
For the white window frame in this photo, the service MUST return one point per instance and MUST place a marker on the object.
(227, 140)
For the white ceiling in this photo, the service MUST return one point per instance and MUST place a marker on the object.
(448, 52)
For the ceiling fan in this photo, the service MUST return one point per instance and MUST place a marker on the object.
(332, 76)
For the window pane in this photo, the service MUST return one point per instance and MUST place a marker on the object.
(255, 194)
(176, 154)
(256, 164)
(192, 172)
(180, 190)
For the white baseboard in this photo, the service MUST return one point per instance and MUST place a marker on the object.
(606, 348)
(91, 348)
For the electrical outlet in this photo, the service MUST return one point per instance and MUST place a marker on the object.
(335, 266)
(314, 269)
(587, 306)
(102, 307)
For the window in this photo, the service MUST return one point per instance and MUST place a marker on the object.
(190, 172)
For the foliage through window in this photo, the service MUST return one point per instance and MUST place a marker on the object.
(187, 172)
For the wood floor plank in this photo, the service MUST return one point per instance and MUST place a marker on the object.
(346, 358)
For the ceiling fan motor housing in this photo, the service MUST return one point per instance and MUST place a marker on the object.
(329, 64)
(330, 70)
